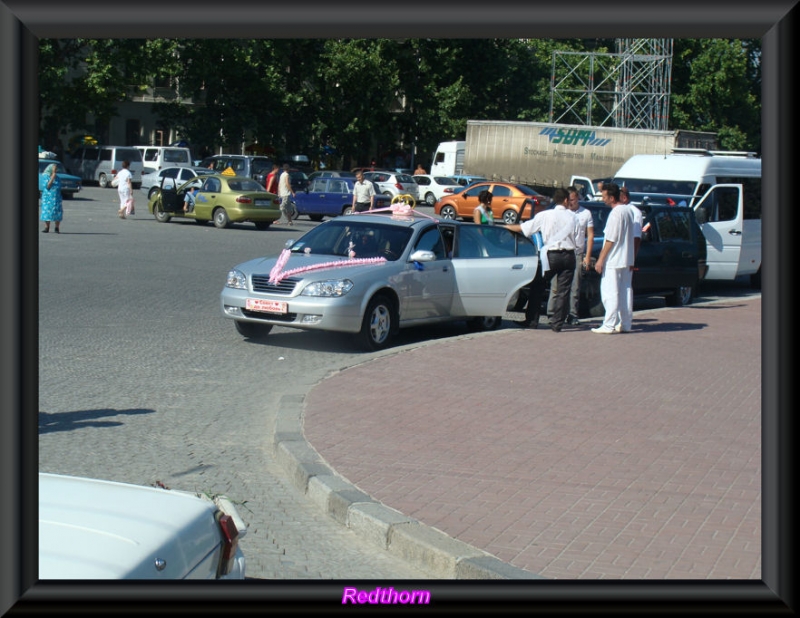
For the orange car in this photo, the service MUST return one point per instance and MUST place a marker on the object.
(511, 202)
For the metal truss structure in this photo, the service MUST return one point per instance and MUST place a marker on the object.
(627, 89)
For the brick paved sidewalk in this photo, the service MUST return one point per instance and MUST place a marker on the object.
(571, 455)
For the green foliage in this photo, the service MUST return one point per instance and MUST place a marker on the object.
(365, 97)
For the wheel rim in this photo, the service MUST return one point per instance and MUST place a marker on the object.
(380, 324)
(430, 199)
(509, 217)
(685, 294)
(102, 181)
(220, 218)
(448, 212)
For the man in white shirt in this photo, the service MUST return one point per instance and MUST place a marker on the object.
(363, 194)
(615, 263)
(583, 256)
(559, 228)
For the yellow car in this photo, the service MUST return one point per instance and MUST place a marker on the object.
(222, 199)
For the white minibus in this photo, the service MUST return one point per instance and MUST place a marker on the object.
(724, 188)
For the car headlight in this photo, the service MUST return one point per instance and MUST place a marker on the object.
(331, 287)
(236, 279)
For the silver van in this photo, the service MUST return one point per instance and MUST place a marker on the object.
(156, 158)
(101, 163)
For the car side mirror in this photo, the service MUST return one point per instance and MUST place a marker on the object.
(422, 256)
(701, 215)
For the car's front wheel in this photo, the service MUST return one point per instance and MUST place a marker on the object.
(448, 212)
(221, 218)
(252, 330)
(376, 327)
(510, 217)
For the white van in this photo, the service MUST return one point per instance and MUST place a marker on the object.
(724, 188)
(101, 163)
(448, 160)
(155, 158)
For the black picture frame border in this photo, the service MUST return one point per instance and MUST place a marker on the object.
(21, 23)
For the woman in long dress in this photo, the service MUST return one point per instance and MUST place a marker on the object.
(51, 199)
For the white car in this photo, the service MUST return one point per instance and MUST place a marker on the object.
(394, 183)
(151, 183)
(434, 188)
(95, 529)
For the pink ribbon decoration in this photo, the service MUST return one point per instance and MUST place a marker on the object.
(277, 276)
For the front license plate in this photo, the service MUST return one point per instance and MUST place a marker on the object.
(266, 306)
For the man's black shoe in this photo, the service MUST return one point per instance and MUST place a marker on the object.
(572, 320)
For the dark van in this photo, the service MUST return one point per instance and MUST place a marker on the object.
(671, 261)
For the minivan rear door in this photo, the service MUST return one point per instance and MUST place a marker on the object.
(720, 213)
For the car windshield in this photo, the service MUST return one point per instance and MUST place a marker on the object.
(365, 240)
(669, 187)
(245, 186)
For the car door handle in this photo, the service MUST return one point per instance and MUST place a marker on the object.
(517, 267)
(735, 232)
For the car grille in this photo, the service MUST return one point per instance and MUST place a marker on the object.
(285, 287)
(274, 317)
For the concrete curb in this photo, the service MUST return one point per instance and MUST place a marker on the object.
(386, 528)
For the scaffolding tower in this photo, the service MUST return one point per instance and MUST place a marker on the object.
(627, 89)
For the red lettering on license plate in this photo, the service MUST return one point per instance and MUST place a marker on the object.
(266, 306)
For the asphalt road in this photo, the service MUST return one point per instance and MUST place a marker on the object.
(142, 380)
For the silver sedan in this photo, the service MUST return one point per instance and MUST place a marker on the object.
(151, 183)
(372, 274)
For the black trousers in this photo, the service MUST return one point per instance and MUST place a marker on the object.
(562, 266)
(362, 206)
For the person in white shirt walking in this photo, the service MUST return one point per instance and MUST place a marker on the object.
(363, 194)
(559, 228)
(615, 263)
(286, 193)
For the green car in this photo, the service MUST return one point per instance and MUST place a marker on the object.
(219, 198)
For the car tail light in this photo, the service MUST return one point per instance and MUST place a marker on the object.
(230, 541)
(399, 185)
(447, 191)
(243, 199)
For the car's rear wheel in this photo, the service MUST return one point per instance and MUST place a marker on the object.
(221, 219)
(683, 295)
(485, 323)
(160, 214)
(376, 327)
(448, 212)
(510, 217)
(430, 199)
(102, 181)
(252, 330)
(262, 225)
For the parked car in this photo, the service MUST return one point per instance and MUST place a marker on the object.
(433, 188)
(155, 158)
(101, 163)
(467, 180)
(297, 179)
(151, 183)
(250, 166)
(671, 261)
(222, 199)
(298, 161)
(331, 174)
(371, 274)
(331, 197)
(70, 185)
(511, 203)
(394, 184)
(96, 529)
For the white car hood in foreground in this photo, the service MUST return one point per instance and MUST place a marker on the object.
(93, 529)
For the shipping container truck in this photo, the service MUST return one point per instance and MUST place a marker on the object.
(547, 156)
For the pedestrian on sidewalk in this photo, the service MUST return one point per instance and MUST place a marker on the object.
(52, 210)
(559, 228)
(286, 193)
(615, 263)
